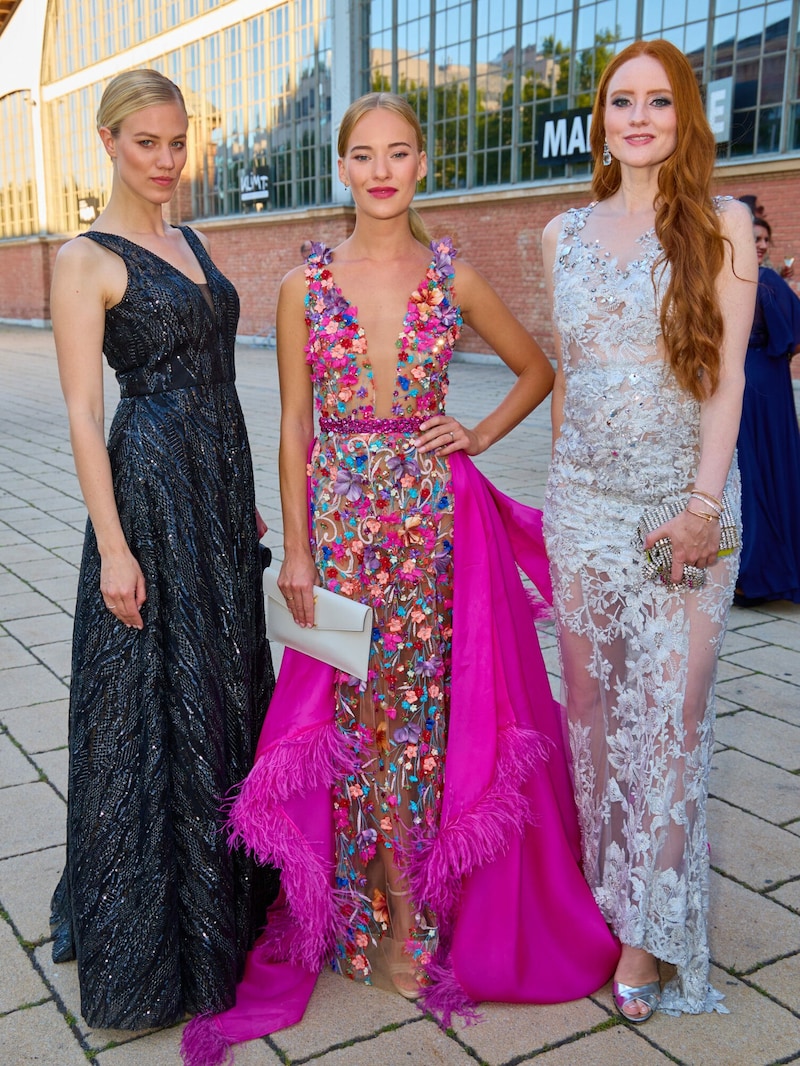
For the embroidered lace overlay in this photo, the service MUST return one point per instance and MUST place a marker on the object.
(382, 520)
(638, 660)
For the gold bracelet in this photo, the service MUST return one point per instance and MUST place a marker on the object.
(702, 514)
(709, 497)
(702, 498)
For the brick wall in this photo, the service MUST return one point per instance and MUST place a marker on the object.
(501, 236)
(25, 268)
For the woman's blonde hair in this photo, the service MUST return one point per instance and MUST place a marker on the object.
(130, 92)
(399, 106)
(687, 225)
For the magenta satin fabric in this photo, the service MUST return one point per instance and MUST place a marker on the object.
(526, 928)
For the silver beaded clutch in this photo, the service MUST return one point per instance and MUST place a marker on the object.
(657, 564)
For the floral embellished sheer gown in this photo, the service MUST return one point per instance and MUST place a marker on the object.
(383, 520)
(638, 659)
(406, 810)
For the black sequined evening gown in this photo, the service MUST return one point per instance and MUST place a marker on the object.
(163, 722)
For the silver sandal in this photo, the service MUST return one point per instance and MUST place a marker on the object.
(649, 994)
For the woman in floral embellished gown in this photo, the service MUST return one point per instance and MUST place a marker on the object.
(413, 813)
(653, 299)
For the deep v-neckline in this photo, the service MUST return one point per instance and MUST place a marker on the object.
(203, 261)
(366, 364)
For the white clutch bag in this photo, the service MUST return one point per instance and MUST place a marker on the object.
(342, 631)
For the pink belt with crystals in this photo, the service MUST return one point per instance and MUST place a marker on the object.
(351, 427)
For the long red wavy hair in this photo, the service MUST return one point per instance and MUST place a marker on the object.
(687, 225)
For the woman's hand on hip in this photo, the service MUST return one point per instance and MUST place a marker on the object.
(445, 435)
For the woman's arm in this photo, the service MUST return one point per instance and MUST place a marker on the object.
(298, 574)
(549, 245)
(83, 286)
(485, 312)
(694, 540)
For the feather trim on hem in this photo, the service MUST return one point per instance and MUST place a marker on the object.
(436, 866)
(308, 934)
(445, 996)
(314, 758)
(203, 1044)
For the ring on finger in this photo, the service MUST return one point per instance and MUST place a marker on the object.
(111, 606)
(452, 436)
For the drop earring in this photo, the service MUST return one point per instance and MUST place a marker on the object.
(606, 154)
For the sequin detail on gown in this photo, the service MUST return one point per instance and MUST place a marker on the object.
(164, 722)
(638, 661)
(383, 515)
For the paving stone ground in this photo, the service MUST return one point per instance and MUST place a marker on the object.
(754, 811)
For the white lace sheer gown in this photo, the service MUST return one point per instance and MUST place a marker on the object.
(638, 660)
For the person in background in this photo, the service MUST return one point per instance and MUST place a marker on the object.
(653, 290)
(769, 443)
(758, 212)
(171, 671)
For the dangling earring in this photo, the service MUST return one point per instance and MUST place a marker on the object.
(606, 154)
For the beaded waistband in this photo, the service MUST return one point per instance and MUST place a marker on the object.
(351, 427)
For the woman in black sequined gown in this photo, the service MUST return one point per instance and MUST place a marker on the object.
(171, 672)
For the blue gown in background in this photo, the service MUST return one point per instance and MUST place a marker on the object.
(769, 450)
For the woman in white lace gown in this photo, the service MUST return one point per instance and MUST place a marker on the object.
(653, 291)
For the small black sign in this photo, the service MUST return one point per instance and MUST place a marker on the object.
(563, 137)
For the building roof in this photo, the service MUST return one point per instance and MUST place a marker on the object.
(7, 8)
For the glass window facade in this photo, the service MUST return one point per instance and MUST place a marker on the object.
(19, 216)
(496, 69)
(83, 32)
(259, 98)
(502, 88)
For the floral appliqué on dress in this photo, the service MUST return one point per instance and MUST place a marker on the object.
(382, 528)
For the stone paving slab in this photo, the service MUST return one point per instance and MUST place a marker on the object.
(24, 605)
(54, 765)
(748, 849)
(782, 981)
(162, 1049)
(340, 1011)
(42, 628)
(15, 767)
(12, 653)
(22, 686)
(789, 895)
(769, 739)
(783, 632)
(27, 883)
(419, 1043)
(57, 657)
(750, 784)
(760, 692)
(39, 1036)
(747, 930)
(33, 818)
(620, 1046)
(782, 663)
(39, 728)
(21, 985)
(509, 1032)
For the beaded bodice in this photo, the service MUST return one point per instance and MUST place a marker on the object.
(622, 402)
(166, 333)
(337, 348)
